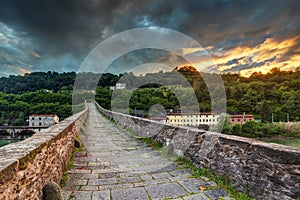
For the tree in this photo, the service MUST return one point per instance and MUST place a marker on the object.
(237, 129)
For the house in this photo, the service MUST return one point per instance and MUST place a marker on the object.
(241, 118)
(43, 120)
(119, 86)
(193, 119)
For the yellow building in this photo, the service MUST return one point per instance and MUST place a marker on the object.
(193, 119)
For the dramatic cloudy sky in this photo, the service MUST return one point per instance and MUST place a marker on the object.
(239, 35)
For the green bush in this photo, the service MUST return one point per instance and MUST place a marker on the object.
(237, 130)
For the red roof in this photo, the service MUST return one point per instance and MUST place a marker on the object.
(241, 115)
(194, 113)
(48, 115)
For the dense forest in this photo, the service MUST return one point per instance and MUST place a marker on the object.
(41, 93)
(277, 92)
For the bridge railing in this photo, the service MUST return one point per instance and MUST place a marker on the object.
(27, 166)
(266, 170)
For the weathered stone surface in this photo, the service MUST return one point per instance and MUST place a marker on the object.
(32, 163)
(80, 195)
(168, 190)
(265, 170)
(101, 195)
(199, 196)
(216, 193)
(192, 185)
(130, 194)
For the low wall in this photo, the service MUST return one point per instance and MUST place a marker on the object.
(27, 166)
(265, 170)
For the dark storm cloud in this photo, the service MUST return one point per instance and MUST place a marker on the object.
(58, 34)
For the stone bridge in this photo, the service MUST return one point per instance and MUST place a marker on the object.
(114, 165)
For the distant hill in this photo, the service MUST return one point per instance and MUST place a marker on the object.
(52, 81)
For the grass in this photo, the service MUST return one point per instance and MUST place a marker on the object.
(151, 143)
(222, 181)
(64, 177)
(293, 142)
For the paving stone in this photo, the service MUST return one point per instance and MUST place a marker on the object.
(80, 195)
(130, 194)
(192, 185)
(102, 181)
(181, 172)
(161, 175)
(81, 154)
(84, 176)
(180, 178)
(169, 190)
(199, 196)
(216, 193)
(108, 175)
(129, 180)
(212, 183)
(168, 168)
(146, 177)
(204, 178)
(116, 167)
(133, 174)
(115, 186)
(101, 195)
(79, 171)
(152, 182)
(89, 187)
(80, 182)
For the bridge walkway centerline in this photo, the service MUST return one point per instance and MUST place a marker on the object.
(115, 166)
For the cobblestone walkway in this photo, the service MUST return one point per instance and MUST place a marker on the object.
(114, 166)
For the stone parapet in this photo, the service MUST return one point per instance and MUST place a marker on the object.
(27, 166)
(265, 170)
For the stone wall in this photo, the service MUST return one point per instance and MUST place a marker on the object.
(27, 166)
(267, 171)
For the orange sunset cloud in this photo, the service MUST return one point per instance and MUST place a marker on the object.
(265, 56)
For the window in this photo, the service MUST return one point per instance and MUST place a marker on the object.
(206, 115)
(32, 124)
(40, 118)
(199, 120)
(238, 120)
(209, 120)
(232, 120)
(40, 124)
(196, 120)
(32, 118)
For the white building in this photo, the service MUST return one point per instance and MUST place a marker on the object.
(43, 120)
(119, 86)
(193, 119)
